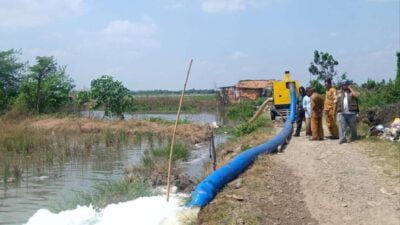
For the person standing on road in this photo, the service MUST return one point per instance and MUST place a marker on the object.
(347, 108)
(330, 109)
(307, 113)
(300, 111)
(317, 109)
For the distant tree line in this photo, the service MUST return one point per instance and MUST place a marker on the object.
(170, 92)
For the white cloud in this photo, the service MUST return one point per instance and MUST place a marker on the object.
(128, 32)
(213, 6)
(33, 13)
(238, 55)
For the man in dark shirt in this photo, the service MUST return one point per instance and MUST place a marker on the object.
(300, 111)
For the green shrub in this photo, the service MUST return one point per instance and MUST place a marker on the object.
(181, 152)
(241, 111)
(379, 93)
(247, 128)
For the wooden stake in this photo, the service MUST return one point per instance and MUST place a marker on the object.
(173, 135)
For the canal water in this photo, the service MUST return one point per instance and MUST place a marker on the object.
(51, 185)
(202, 118)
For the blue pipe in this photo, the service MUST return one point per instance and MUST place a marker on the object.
(209, 187)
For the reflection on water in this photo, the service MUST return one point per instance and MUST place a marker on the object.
(49, 185)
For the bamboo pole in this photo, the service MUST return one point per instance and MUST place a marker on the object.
(173, 135)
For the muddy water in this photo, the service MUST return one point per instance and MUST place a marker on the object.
(49, 186)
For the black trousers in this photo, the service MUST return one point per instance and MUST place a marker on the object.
(299, 120)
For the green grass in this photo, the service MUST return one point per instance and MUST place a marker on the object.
(244, 110)
(247, 128)
(153, 156)
(181, 152)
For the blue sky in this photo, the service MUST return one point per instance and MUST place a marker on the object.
(148, 44)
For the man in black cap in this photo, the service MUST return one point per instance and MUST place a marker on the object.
(347, 108)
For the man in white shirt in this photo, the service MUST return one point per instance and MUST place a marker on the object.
(307, 110)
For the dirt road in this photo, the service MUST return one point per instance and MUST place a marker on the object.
(341, 184)
(313, 183)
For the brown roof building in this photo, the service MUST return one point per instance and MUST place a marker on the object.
(253, 89)
(246, 89)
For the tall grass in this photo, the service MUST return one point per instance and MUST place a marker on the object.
(155, 155)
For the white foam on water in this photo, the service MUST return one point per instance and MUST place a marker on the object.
(142, 211)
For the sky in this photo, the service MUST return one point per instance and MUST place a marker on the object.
(148, 44)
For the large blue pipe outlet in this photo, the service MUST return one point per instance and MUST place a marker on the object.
(209, 187)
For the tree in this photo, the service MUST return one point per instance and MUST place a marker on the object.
(47, 87)
(10, 77)
(83, 97)
(44, 68)
(323, 66)
(112, 95)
